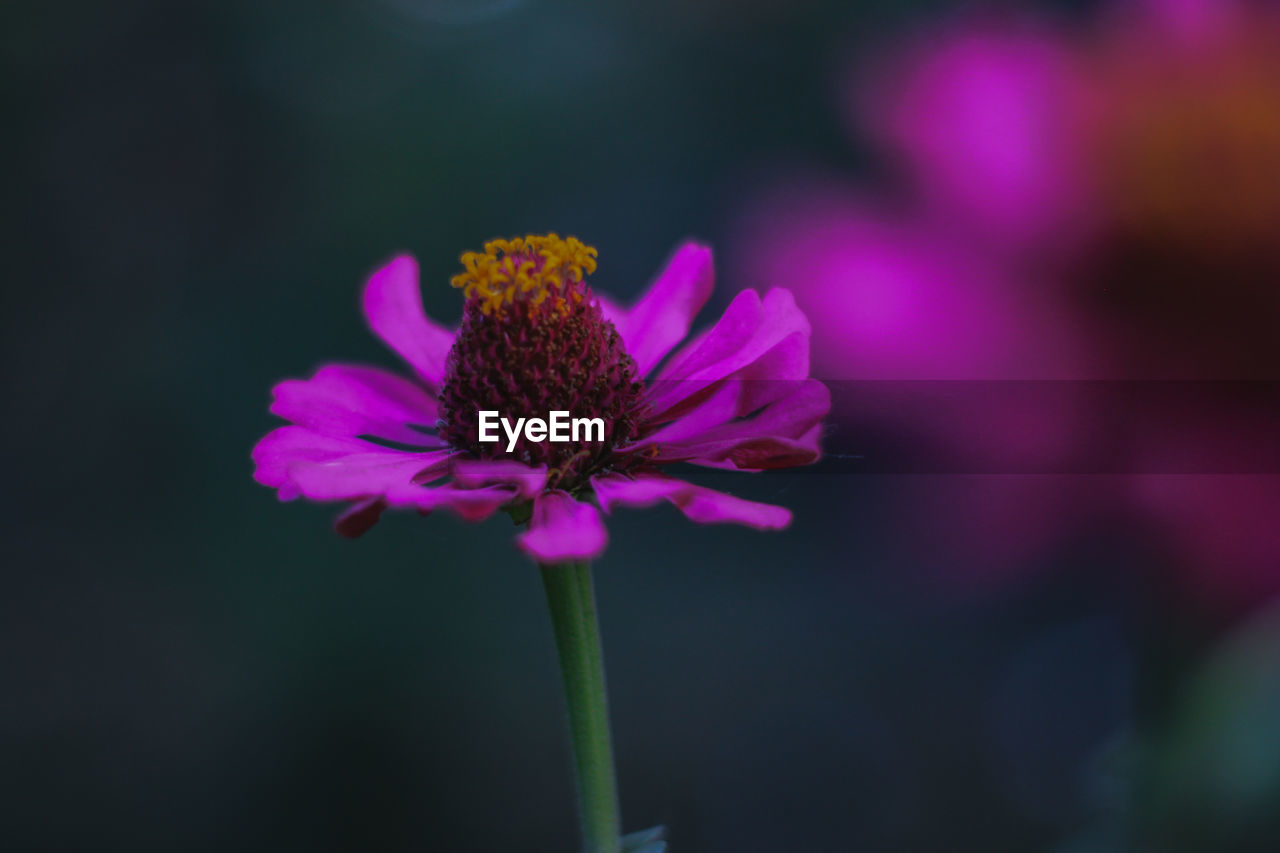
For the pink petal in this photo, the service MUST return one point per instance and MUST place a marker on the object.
(738, 323)
(771, 377)
(707, 506)
(804, 404)
(749, 330)
(474, 474)
(563, 529)
(755, 453)
(781, 435)
(282, 447)
(393, 306)
(468, 504)
(390, 473)
(663, 316)
(786, 361)
(720, 403)
(357, 519)
(350, 400)
(642, 490)
(700, 504)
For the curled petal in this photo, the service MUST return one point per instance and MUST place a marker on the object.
(781, 435)
(770, 378)
(784, 362)
(717, 405)
(750, 331)
(700, 504)
(790, 415)
(351, 400)
(563, 529)
(393, 307)
(749, 327)
(663, 316)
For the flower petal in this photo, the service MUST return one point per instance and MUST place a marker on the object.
(284, 446)
(719, 404)
(352, 400)
(563, 529)
(707, 506)
(772, 377)
(663, 316)
(357, 519)
(749, 330)
(381, 471)
(755, 453)
(791, 415)
(700, 504)
(468, 504)
(393, 306)
(474, 474)
(783, 434)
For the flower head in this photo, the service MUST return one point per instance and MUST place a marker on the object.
(535, 339)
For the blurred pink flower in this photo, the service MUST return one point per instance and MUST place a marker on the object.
(1084, 202)
(902, 298)
(985, 122)
(535, 339)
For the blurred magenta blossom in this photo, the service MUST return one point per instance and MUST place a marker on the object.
(1094, 200)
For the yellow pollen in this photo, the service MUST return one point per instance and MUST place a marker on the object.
(534, 267)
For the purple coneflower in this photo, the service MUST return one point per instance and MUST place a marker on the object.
(535, 340)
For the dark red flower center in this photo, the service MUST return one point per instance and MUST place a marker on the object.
(533, 341)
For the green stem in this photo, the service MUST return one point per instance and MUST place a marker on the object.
(571, 600)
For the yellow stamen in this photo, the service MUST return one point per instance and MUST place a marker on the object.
(534, 267)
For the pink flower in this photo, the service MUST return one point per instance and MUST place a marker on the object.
(534, 339)
(1066, 202)
(984, 121)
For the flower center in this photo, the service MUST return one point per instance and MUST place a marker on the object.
(531, 268)
(533, 341)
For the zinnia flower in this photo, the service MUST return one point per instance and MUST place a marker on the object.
(534, 339)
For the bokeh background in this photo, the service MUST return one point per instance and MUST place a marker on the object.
(933, 660)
